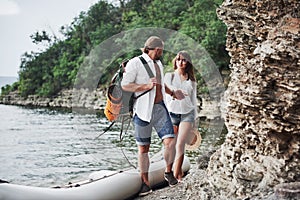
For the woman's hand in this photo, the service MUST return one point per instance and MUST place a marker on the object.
(179, 94)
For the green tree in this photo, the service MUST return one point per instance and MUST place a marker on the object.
(155, 13)
(55, 68)
(202, 24)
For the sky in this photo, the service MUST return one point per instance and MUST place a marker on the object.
(21, 18)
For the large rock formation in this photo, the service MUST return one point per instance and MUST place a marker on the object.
(262, 102)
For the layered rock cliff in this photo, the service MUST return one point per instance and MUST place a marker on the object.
(261, 106)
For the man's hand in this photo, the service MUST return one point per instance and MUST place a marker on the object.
(152, 83)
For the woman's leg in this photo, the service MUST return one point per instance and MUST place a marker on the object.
(184, 130)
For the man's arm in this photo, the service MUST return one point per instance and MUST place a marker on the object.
(129, 78)
(133, 87)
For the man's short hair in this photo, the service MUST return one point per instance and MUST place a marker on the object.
(153, 42)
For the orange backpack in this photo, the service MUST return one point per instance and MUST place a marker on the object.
(120, 102)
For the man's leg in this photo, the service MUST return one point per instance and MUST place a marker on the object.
(144, 162)
(144, 168)
(164, 127)
(169, 153)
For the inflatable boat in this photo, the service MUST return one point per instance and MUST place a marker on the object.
(100, 185)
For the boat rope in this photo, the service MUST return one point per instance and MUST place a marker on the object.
(122, 136)
(105, 130)
(125, 119)
(78, 184)
(132, 165)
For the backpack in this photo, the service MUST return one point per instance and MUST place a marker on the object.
(120, 102)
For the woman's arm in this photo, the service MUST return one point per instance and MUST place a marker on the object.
(169, 91)
(194, 99)
(177, 94)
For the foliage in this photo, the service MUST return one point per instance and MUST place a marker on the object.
(6, 89)
(201, 23)
(47, 72)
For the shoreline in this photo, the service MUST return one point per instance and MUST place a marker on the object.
(196, 186)
(82, 98)
(95, 100)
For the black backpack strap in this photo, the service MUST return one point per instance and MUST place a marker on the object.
(149, 71)
(172, 77)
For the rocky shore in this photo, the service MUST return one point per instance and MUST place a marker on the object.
(83, 98)
(196, 181)
(91, 100)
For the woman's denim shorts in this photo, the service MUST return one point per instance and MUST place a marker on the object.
(177, 118)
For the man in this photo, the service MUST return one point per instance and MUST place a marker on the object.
(150, 110)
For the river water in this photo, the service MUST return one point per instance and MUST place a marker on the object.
(46, 147)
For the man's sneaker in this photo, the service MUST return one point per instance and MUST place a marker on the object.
(145, 189)
(170, 178)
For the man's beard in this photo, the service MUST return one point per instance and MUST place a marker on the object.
(157, 57)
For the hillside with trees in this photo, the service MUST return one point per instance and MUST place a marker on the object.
(47, 72)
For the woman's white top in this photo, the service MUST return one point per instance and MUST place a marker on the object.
(188, 87)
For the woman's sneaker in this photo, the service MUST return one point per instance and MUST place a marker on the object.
(169, 176)
(145, 189)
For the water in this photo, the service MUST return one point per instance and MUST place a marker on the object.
(45, 147)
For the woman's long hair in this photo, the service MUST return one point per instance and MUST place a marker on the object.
(189, 69)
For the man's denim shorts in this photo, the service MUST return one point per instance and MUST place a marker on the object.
(161, 122)
(177, 118)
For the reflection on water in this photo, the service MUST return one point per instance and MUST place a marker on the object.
(45, 147)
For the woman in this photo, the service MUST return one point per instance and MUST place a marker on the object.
(183, 112)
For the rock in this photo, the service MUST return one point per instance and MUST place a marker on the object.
(75, 99)
(261, 105)
(287, 191)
